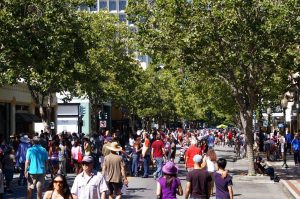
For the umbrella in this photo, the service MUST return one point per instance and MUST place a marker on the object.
(222, 126)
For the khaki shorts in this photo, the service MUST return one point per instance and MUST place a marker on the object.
(37, 180)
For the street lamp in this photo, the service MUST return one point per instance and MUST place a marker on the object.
(284, 103)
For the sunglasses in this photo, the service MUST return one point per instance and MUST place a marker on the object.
(58, 181)
(86, 163)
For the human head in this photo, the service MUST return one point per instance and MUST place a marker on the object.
(221, 162)
(170, 168)
(36, 140)
(197, 159)
(212, 154)
(59, 182)
(87, 163)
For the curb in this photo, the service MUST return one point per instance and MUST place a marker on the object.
(287, 186)
(291, 194)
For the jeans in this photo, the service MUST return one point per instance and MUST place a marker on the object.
(22, 178)
(159, 164)
(134, 164)
(146, 165)
(296, 156)
(62, 166)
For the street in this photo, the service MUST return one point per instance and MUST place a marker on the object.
(244, 187)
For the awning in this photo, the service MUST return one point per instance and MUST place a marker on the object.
(27, 117)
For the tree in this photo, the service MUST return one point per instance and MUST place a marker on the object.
(249, 45)
(38, 46)
(107, 71)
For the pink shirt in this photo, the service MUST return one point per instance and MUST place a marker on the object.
(74, 152)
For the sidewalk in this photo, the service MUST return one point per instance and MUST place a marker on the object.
(289, 178)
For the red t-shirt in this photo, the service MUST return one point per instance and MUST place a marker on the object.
(157, 147)
(190, 153)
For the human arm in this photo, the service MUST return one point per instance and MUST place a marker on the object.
(103, 196)
(158, 190)
(27, 163)
(187, 190)
(179, 190)
(123, 172)
(230, 192)
(46, 195)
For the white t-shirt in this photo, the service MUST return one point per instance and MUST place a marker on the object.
(210, 165)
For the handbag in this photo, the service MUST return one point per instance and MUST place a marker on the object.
(79, 159)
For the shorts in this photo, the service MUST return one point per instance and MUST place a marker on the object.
(37, 180)
(115, 187)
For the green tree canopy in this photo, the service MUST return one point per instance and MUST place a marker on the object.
(251, 46)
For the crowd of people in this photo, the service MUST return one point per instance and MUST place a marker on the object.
(102, 162)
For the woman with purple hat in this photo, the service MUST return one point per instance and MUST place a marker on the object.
(169, 185)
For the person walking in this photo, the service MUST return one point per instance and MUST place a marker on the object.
(209, 162)
(157, 156)
(223, 184)
(295, 144)
(76, 154)
(21, 157)
(198, 183)
(58, 189)
(169, 185)
(135, 155)
(89, 184)
(146, 151)
(114, 171)
(189, 155)
(62, 158)
(35, 167)
(8, 164)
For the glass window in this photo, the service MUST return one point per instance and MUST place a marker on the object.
(103, 4)
(122, 18)
(93, 7)
(112, 5)
(122, 5)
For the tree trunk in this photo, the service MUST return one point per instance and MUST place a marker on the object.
(94, 114)
(247, 126)
(132, 123)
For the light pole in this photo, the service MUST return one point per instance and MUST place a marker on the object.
(284, 103)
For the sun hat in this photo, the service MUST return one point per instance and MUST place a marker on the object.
(170, 168)
(114, 146)
(197, 158)
(87, 159)
(25, 139)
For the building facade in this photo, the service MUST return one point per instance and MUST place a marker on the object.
(19, 113)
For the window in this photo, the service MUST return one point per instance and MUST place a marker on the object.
(122, 18)
(112, 5)
(93, 7)
(122, 5)
(103, 5)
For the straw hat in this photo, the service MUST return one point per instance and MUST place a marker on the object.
(114, 146)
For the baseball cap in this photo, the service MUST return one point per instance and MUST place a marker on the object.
(87, 159)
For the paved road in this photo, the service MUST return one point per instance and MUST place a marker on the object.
(244, 187)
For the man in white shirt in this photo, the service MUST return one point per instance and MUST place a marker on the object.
(89, 184)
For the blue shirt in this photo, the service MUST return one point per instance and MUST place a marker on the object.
(288, 137)
(296, 144)
(21, 152)
(37, 157)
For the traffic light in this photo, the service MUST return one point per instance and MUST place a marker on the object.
(100, 115)
(81, 110)
(105, 116)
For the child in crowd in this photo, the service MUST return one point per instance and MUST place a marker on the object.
(223, 185)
